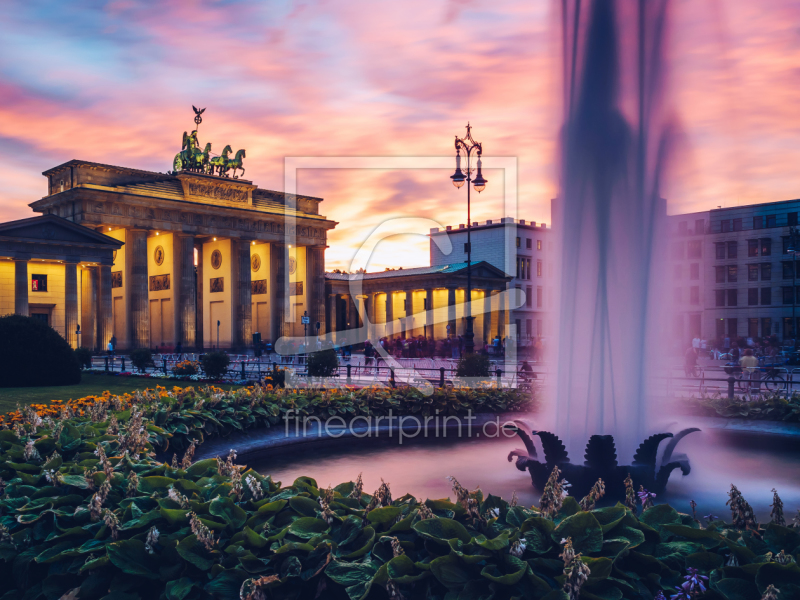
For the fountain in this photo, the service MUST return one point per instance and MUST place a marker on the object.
(601, 461)
(611, 216)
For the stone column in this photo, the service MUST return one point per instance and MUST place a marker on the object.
(451, 311)
(501, 316)
(389, 329)
(241, 293)
(105, 317)
(279, 284)
(71, 303)
(429, 317)
(330, 322)
(315, 279)
(137, 288)
(199, 312)
(21, 287)
(185, 290)
(409, 319)
(487, 315)
(88, 337)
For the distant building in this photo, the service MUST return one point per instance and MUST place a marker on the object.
(744, 287)
(520, 248)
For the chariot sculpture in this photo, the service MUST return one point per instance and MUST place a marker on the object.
(600, 461)
(194, 160)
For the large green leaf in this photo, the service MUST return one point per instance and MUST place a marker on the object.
(737, 589)
(224, 508)
(449, 571)
(193, 552)
(512, 572)
(308, 527)
(148, 485)
(381, 518)
(442, 530)
(305, 506)
(585, 531)
(131, 557)
(179, 589)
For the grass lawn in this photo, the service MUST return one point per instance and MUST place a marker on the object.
(90, 384)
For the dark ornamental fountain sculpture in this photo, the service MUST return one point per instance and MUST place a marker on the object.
(601, 461)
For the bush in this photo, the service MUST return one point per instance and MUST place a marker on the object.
(33, 354)
(84, 356)
(215, 364)
(276, 378)
(473, 365)
(186, 367)
(323, 363)
(142, 358)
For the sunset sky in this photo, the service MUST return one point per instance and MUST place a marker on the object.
(114, 82)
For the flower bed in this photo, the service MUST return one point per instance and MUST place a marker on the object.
(769, 407)
(87, 511)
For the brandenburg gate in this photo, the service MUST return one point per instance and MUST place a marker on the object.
(208, 256)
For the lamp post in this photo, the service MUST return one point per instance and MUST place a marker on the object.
(792, 249)
(469, 146)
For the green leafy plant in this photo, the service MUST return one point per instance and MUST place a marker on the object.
(142, 358)
(473, 365)
(323, 363)
(84, 356)
(33, 354)
(215, 364)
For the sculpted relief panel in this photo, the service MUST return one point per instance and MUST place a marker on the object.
(215, 192)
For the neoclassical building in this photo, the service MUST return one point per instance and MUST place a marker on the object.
(425, 301)
(196, 258)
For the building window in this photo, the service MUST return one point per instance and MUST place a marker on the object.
(519, 243)
(528, 243)
(529, 327)
(772, 220)
(737, 224)
(539, 297)
(527, 268)
(720, 327)
(766, 326)
(752, 328)
(733, 328)
(787, 270)
(538, 244)
(732, 297)
(720, 247)
(786, 241)
(538, 268)
(752, 297)
(683, 228)
(719, 297)
(38, 283)
(758, 222)
(792, 217)
(720, 274)
(766, 271)
(788, 295)
(732, 273)
(694, 295)
(732, 250)
(766, 296)
(699, 226)
(676, 295)
(677, 250)
(696, 249)
(752, 272)
(694, 271)
(752, 247)
(725, 226)
(529, 297)
(676, 272)
(766, 247)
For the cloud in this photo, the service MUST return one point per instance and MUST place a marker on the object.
(114, 83)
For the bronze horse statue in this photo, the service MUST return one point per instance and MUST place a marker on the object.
(220, 163)
(236, 163)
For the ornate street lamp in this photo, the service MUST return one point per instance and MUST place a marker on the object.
(469, 146)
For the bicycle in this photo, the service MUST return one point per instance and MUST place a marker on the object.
(752, 380)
